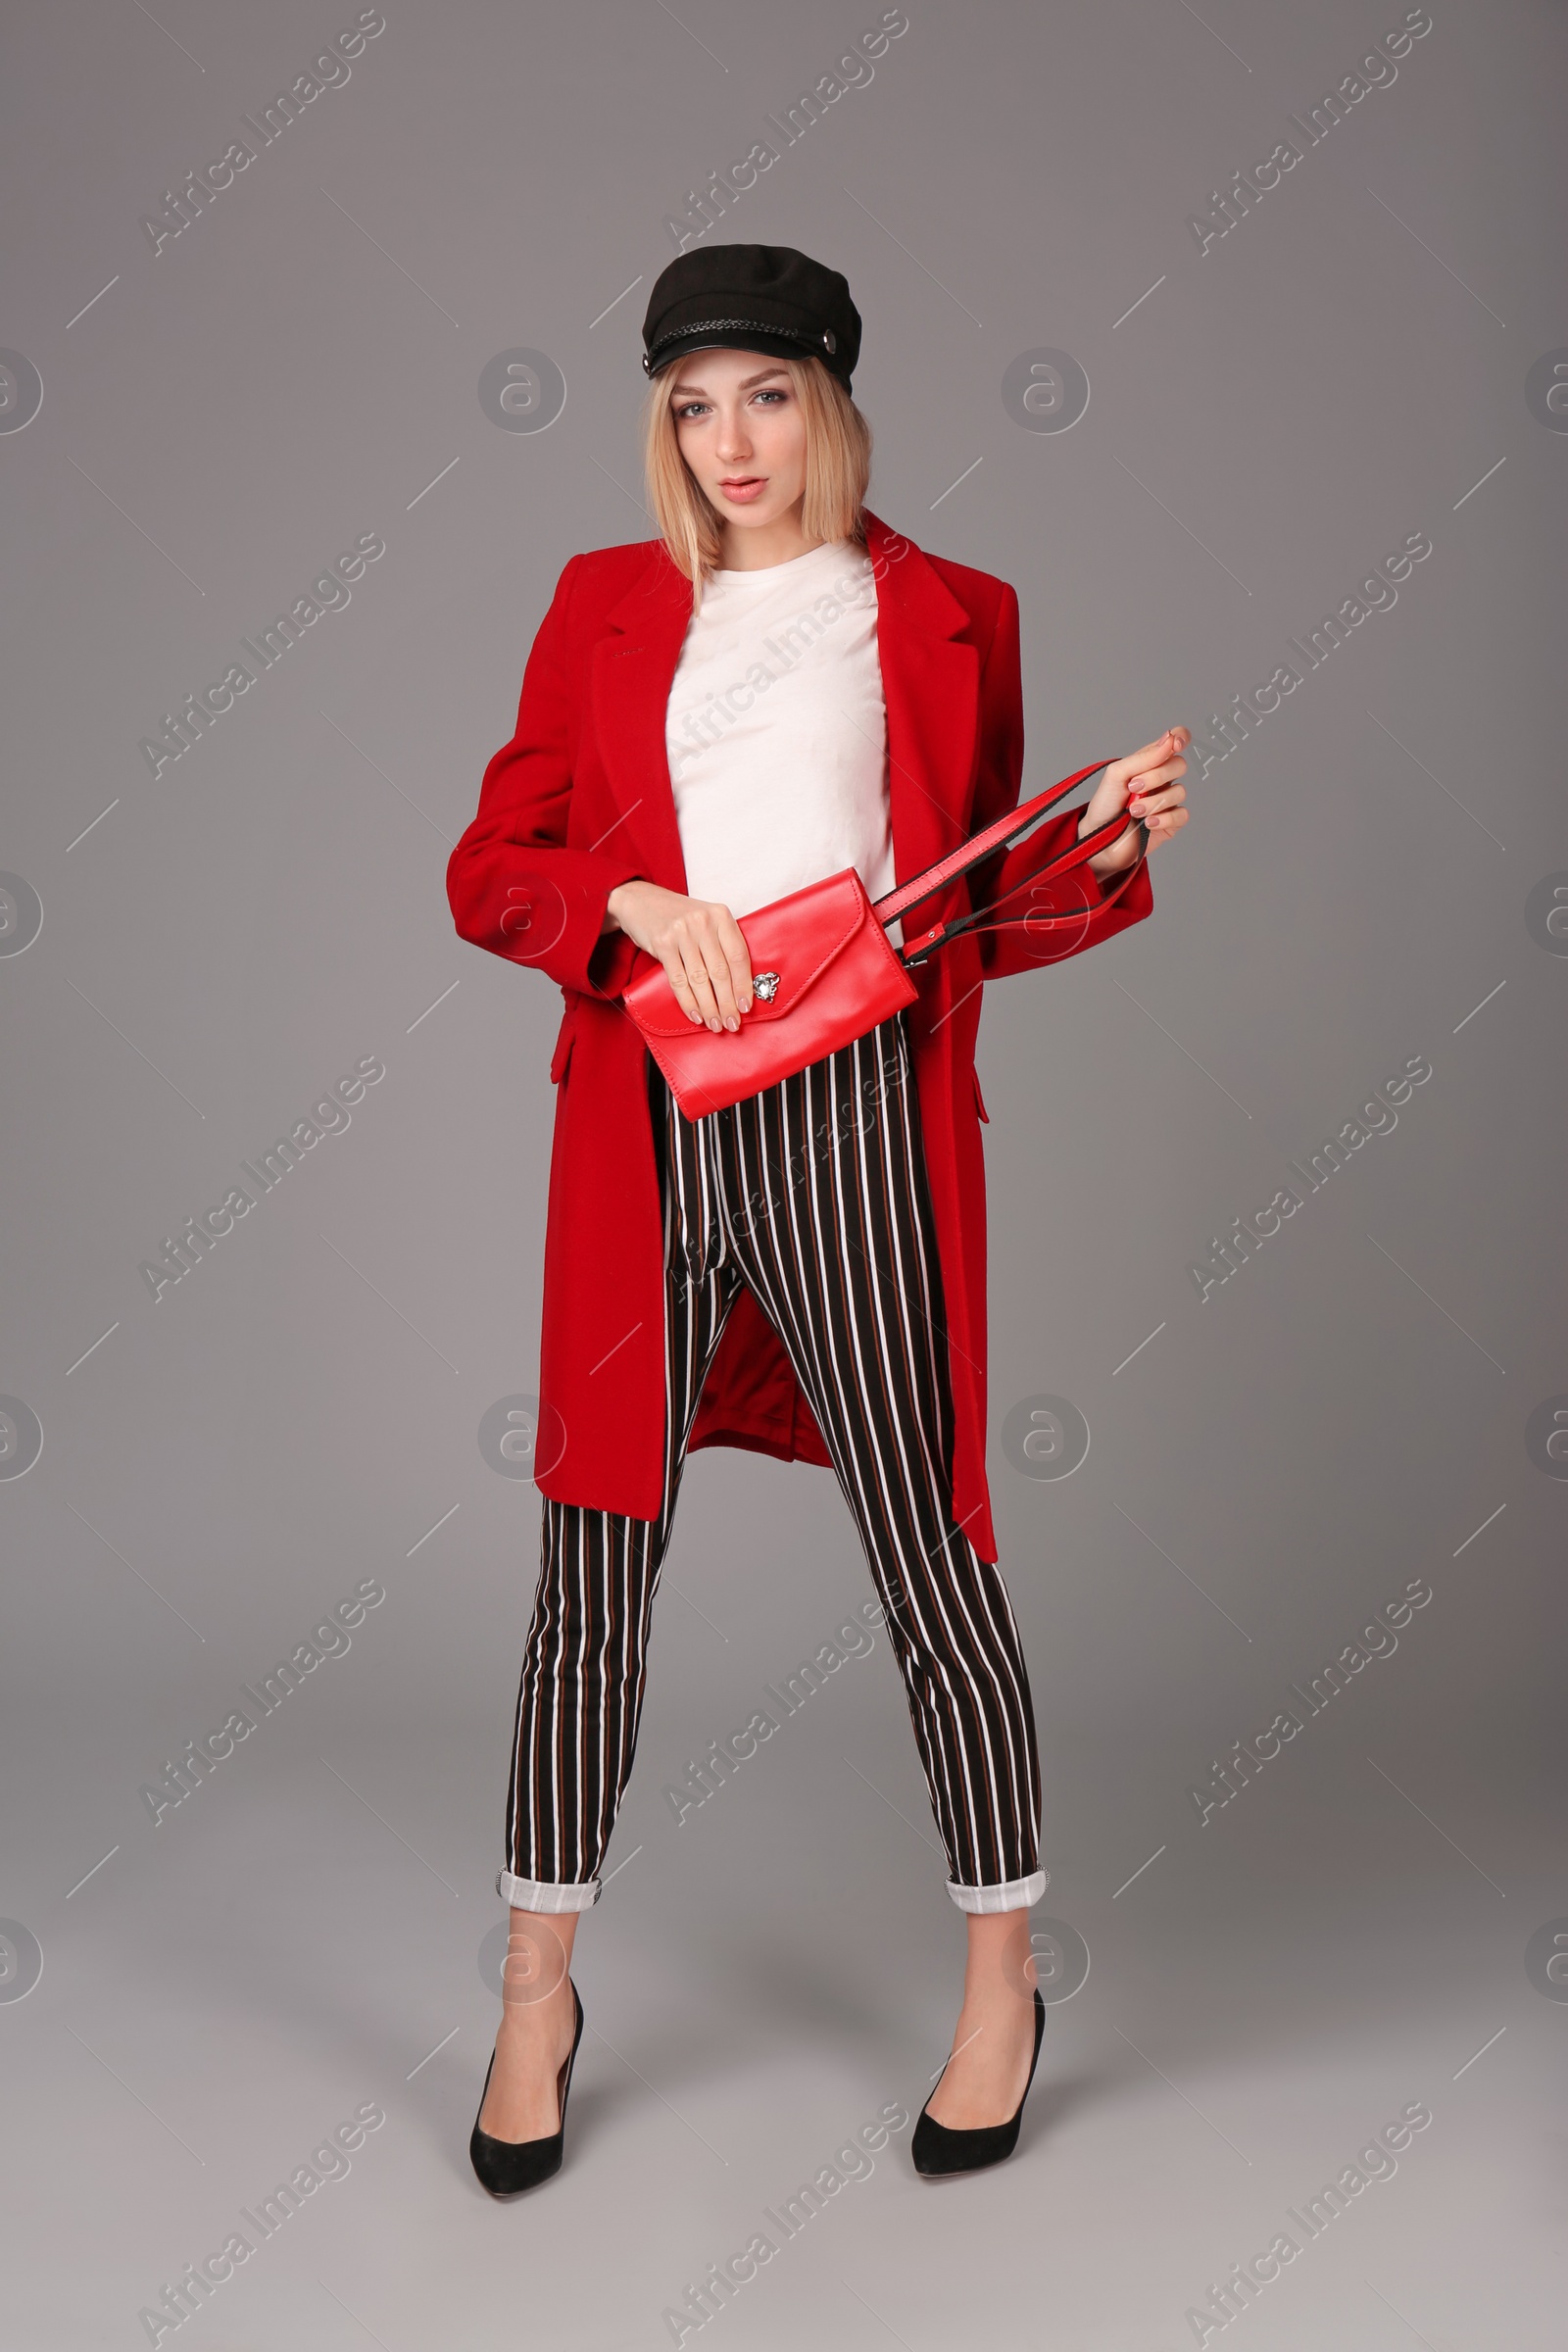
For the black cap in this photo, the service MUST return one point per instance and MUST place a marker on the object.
(766, 298)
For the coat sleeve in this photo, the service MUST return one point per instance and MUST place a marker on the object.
(1003, 881)
(512, 883)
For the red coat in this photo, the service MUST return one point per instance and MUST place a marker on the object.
(579, 800)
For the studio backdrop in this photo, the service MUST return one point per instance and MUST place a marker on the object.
(1234, 337)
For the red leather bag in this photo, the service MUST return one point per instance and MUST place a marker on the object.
(824, 970)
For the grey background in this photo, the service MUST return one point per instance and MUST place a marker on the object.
(300, 1412)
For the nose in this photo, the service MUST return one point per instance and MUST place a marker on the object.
(733, 443)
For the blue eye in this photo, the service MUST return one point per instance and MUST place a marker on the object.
(686, 410)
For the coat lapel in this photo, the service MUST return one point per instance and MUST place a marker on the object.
(632, 671)
(930, 684)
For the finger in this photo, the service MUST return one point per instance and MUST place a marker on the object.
(1161, 822)
(700, 986)
(685, 980)
(1158, 779)
(1162, 771)
(1124, 775)
(1153, 752)
(675, 974)
(732, 939)
(720, 979)
(1167, 796)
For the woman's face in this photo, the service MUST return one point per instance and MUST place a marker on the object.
(742, 431)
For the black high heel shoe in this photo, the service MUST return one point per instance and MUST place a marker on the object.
(938, 2149)
(506, 2167)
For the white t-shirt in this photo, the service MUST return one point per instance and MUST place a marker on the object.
(776, 731)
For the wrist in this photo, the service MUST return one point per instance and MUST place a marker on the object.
(616, 905)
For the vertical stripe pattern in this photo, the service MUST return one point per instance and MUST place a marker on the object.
(812, 1194)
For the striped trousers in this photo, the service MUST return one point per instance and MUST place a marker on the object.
(813, 1195)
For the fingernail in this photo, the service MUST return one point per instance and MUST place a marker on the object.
(730, 1022)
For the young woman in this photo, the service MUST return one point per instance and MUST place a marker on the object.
(776, 689)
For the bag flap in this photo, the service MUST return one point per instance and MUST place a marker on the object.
(791, 944)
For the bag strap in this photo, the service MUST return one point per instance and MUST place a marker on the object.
(1002, 835)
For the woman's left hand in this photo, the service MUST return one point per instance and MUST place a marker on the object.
(1146, 783)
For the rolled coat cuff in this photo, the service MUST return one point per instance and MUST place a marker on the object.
(535, 904)
(1011, 947)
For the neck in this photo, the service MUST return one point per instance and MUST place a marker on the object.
(757, 547)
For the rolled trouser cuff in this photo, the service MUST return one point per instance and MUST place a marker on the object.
(547, 1894)
(1013, 1894)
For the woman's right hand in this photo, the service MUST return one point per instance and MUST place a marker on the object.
(700, 945)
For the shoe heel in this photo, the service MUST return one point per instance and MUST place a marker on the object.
(508, 2167)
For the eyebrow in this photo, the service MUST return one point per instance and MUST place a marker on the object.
(747, 382)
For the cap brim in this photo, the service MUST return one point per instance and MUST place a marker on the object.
(773, 347)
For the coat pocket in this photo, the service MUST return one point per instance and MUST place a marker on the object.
(562, 1053)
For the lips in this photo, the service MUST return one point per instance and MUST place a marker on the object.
(740, 489)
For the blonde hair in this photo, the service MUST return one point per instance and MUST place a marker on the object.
(838, 470)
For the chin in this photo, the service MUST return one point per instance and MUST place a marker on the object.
(750, 518)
